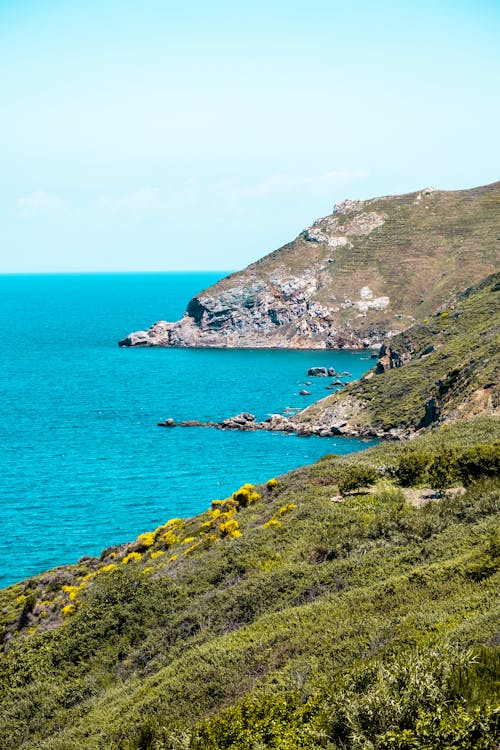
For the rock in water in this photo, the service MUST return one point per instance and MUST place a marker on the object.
(168, 423)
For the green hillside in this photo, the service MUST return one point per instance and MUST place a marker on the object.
(339, 606)
(368, 270)
(450, 369)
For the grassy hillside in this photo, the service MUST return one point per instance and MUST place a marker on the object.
(424, 251)
(338, 606)
(451, 370)
(369, 269)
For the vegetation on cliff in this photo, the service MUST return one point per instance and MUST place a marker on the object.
(443, 368)
(309, 612)
(369, 269)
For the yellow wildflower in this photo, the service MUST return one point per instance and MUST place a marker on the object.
(147, 539)
(131, 556)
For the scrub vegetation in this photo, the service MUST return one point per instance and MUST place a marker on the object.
(351, 604)
(450, 369)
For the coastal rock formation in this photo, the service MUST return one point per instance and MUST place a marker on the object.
(352, 279)
(438, 371)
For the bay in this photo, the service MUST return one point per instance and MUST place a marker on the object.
(83, 463)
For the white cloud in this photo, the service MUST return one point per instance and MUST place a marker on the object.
(40, 202)
(279, 185)
(147, 199)
(225, 193)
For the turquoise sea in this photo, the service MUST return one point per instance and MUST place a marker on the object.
(83, 463)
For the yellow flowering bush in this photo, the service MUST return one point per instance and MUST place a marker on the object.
(246, 495)
(107, 568)
(134, 556)
(68, 610)
(188, 539)
(224, 506)
(147, 539)
(72, 591)
(175, 523)
(230, 529)
(169, 538)
(271, 484)
(156, 553)
(272, 522)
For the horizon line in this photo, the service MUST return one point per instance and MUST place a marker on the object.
(113, 271)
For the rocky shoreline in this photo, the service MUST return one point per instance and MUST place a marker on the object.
(297, 424)
(247, 422)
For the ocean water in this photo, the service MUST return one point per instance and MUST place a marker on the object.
(83, 463)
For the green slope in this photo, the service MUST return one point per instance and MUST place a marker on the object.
(285, 617)
(369, 269)
(450, 370)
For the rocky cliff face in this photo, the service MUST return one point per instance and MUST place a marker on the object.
(353, 278)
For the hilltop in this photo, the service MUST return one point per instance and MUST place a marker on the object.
(340, 606)
(364, 273)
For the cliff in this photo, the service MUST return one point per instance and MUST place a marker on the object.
(353, 278)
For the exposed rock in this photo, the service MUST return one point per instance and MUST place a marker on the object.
(353, 279)
(432, 414)
(304, 393)
(168, 423)
(428, 350)
(335, 384)
(317, 372)
(389, 359)
(243, 421)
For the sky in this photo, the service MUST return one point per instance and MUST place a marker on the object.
(159, 135)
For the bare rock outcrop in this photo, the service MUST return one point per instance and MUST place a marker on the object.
(352, 279)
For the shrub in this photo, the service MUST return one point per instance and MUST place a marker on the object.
(230, 529)
(147, 539)
(245, 496)
(356, 477)
(482, 460)
(132, 556)
(412, 467)
(446, 728)
(442, 469)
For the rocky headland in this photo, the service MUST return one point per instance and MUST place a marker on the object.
(353, 279)
(441, 370)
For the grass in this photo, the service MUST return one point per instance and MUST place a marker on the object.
(294, 634)
(426, 251)
(461, 373)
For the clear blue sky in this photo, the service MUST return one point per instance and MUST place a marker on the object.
(160, 135)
